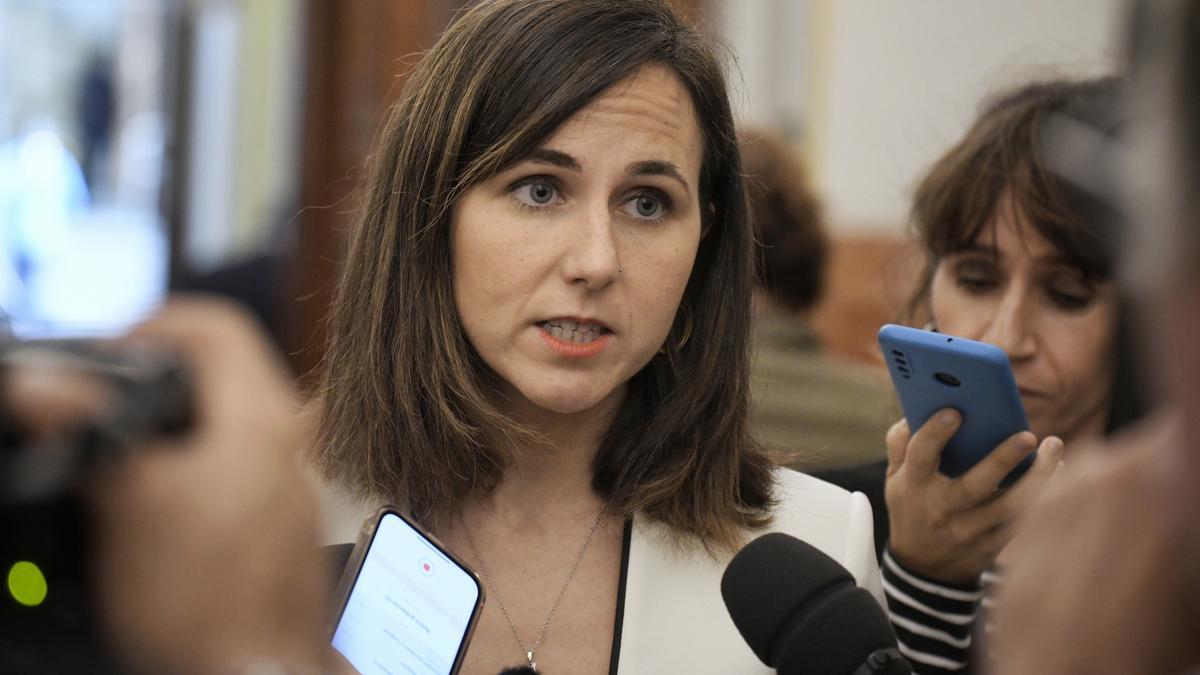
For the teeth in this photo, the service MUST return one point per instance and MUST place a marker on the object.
(572, 331)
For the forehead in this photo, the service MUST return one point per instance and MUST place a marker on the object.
(1011, 231)
(1012, 234)
(649, 114)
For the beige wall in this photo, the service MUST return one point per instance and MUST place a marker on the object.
(269, 118)
(874, 90)
(246, 77)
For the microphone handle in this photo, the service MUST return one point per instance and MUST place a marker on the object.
(884, 662)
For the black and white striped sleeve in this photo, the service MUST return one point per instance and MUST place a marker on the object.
(933, 621)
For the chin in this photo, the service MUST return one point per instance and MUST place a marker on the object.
(567, 397)
(563, 403)
(1044, 429)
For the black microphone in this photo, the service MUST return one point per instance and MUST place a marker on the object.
(801, 612)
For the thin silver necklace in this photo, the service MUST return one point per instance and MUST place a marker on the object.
(487, 577)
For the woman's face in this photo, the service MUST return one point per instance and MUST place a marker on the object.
(569, 265)
(1015, 290)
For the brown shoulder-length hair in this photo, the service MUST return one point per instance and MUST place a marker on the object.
(406, 417)
(1003, 157)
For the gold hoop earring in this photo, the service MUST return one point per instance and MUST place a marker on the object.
(687, 330)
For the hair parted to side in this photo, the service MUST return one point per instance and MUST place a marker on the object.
(406, 417)
(786, 216)
(999, 164)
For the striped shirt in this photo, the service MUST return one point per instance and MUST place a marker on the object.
(935, 622)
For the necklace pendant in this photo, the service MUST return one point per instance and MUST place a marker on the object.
(529, 660)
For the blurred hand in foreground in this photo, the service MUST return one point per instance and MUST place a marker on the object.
(207, 554)
(1103, 576)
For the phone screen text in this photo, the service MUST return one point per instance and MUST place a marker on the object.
(409, 609)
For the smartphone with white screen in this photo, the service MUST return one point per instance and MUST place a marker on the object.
(406, 604)
(932, 371)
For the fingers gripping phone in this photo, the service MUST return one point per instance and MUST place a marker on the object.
(932, 371)
(405, 604)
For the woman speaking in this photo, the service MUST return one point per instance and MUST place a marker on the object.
(539, 344)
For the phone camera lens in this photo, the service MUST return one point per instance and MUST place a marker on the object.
(947, 379)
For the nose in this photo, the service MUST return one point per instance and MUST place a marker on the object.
(591, 258)
(1011, 327)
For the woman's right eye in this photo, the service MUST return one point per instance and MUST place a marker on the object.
(536, 193)
(975, 284)
(976, 277)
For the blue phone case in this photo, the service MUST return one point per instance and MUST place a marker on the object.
(932, 371)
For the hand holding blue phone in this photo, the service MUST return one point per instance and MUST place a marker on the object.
(950, 514)
(932, 371)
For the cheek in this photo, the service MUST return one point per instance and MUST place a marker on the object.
(667, 269)
(469, 264)
(1085, 352)
(486, 271)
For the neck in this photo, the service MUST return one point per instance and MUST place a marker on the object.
(546, 480)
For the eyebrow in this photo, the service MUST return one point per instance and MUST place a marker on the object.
(645, 168)
(659, 168)
(554, 158)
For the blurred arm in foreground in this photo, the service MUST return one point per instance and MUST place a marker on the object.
(1105, 577)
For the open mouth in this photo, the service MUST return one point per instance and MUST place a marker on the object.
(572, 331)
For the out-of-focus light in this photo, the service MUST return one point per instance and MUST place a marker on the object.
(27, 584)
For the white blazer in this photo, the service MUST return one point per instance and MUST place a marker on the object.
(674, 619)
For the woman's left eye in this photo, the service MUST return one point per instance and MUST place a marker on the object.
(1069, 293)
(536, 194)
(1071, 300)
(647, 206)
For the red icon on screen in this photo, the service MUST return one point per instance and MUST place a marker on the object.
(426, 567)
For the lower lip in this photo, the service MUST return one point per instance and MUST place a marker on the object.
(575, 350)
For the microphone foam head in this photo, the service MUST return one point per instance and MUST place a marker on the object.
(799, 610)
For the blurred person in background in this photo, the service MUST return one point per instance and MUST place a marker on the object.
(1012, 261)
(1105, 573)
(808, 407)
(96, 109)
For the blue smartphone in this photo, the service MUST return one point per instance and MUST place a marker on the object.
(406, 603)
(932, 371)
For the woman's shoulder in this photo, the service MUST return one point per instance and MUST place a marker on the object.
(673, 616)
(796, 486)
(807, 506)
(834, 520)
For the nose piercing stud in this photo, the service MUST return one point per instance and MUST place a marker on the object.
(620, 269)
